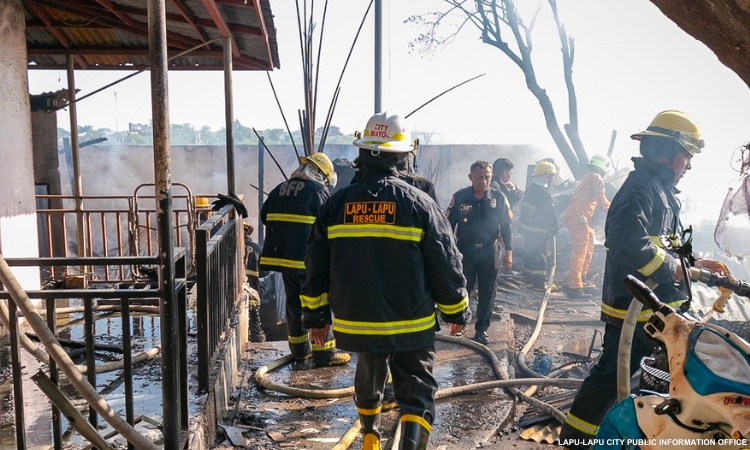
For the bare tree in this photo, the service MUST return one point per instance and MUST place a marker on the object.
(501, 25)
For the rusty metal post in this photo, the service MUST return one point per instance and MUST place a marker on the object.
(261, 182)
(74, 148)
(170, 359)
(229, 112)
(378, 56)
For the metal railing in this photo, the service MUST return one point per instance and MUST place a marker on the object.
(116, 227)
(171, 395)
(113, 226)
(219, 276)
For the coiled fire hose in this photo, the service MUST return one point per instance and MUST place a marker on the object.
(351, 434)
(65, 364)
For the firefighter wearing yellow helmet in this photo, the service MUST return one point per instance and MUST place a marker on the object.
(380, 258)
(288, 214)
(588, 196)
(643, 218)
(537, 223)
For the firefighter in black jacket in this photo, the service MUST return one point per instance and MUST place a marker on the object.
(381, 258)
(538, 224)
(288, 214)
(480, 214)
(644, 214)
(252, 276)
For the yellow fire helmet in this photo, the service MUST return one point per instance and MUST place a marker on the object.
(600, 162)
(385, 133)
(545, 168)
(201, 202)
(678, 126)
(323, 163)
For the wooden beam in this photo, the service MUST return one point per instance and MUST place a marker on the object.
(99, 15)
(190, 18)
(113, 9)
(241, 3)
(264, 35)
(221, 24)
(40, 13)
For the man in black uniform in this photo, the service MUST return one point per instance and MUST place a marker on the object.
(288, 213)
(480, 215)
(502, 170)
(380, 259)
(644, 213)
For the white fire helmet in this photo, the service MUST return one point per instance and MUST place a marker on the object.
(385, 133)
(600, 162)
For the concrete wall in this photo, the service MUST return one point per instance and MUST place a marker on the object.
(18, 229)
(118, 170)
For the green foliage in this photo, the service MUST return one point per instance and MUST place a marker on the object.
(188, 134)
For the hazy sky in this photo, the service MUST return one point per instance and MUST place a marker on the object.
(631, 62)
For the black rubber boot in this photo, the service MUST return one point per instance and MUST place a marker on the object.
(414, 435)
(370, 431)
(256, 330)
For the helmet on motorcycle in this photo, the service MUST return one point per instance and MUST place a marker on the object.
(385, 133)
(323, 163)
(599, 163)
(676, 125)
(544, 168)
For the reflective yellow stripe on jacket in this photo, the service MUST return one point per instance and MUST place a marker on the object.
(294, 218)
(375, 231)
(642, 317)
(281, 262)
(454, 309)
(313, 303)
(383, 328)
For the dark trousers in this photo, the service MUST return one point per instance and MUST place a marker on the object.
(479, 266)
(299, 340)
(536, 250)
(598, 392)
(413, 381)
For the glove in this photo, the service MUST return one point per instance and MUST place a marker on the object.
(462, 318)
(230, 199)
(316, 319)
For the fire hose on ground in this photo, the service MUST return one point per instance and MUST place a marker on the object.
(350, 436)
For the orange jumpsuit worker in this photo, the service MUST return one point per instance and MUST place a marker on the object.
(588, 196)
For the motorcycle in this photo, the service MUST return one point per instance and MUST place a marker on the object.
(706, 403)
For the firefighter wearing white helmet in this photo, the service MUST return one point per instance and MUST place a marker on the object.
(643, 215)
(288, 214)
(538, 224)
(385, 133)
(588, 197)
(381, 257)
(395, 139)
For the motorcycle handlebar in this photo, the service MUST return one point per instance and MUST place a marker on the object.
(642, 293)
(739, 287)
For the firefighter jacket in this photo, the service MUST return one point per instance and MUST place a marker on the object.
(588, 196)
(479, 222)
(537, 218)
(381, 257)
(288, 214)
(642, 213)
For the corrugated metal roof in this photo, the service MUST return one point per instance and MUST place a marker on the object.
(113, 34)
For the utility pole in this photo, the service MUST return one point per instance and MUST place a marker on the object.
(378, 56)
